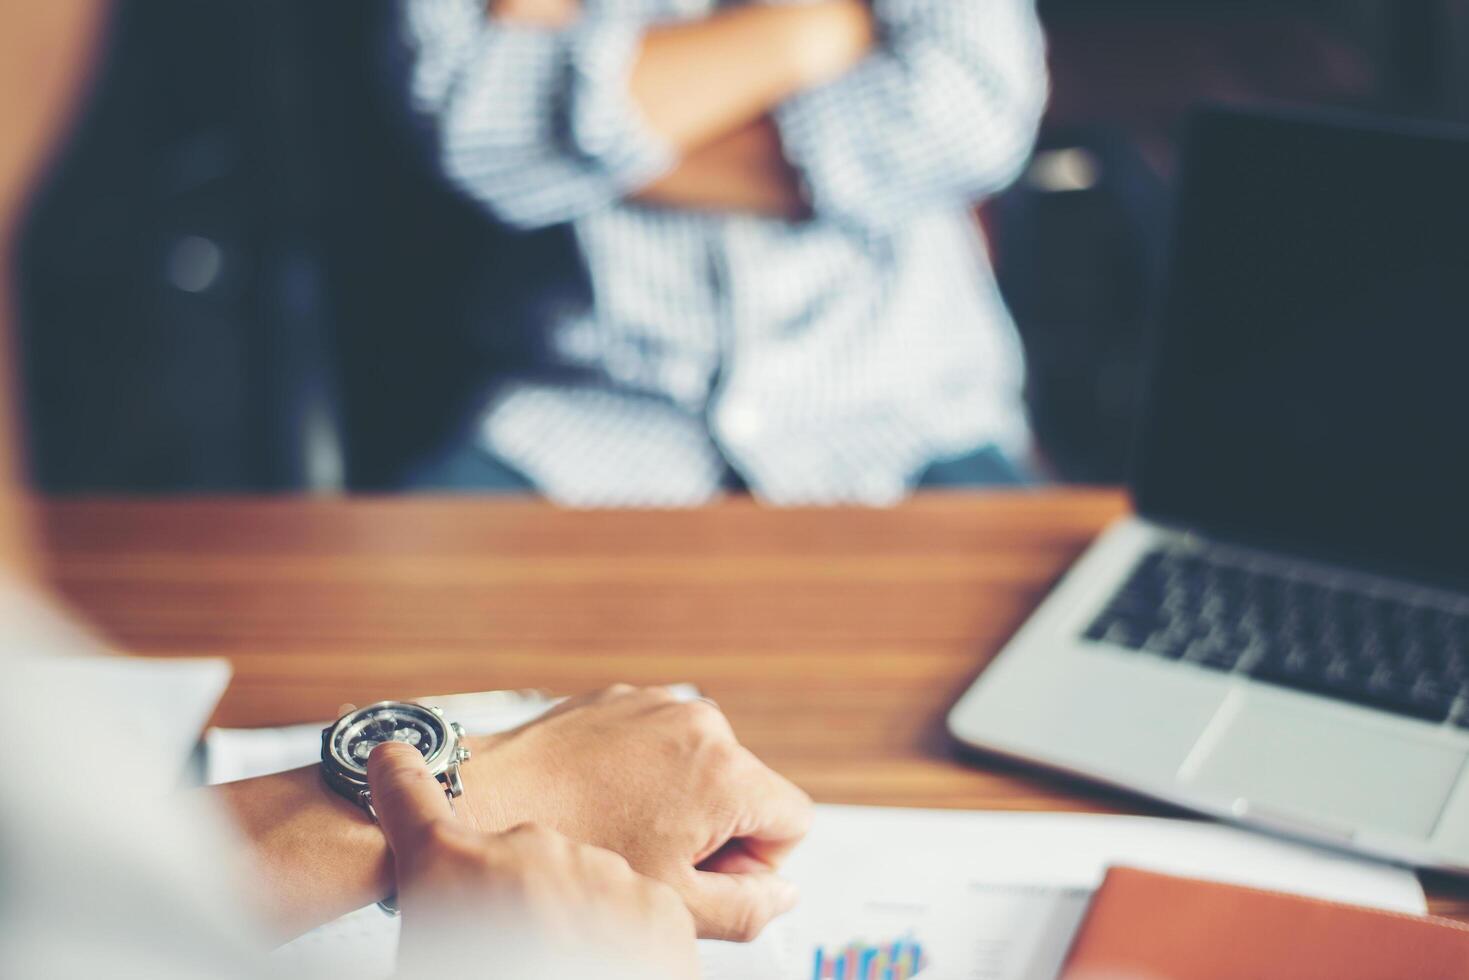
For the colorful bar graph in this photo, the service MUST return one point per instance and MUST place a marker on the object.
(858, 960)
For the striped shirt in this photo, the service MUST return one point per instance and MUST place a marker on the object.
(824, 361)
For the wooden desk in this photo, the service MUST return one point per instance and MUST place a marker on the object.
(835, 640)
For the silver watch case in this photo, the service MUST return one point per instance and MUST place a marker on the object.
(350, 780)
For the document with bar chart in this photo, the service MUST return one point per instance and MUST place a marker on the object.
(895, 960)
(893, 894)
(980, 932)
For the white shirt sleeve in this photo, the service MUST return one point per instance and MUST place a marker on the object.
(943, 112)
(107, 868)
(537, 125)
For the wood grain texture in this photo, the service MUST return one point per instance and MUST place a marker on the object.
(835, 640)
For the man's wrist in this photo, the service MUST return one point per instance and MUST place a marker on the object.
(493, 800)
(315, 855)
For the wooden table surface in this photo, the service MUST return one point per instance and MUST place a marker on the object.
(834, 639)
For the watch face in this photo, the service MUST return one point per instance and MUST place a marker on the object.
(369, 728)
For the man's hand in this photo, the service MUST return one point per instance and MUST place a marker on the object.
(745, 171)
(661, 782)
(527, 900)
(830, 38)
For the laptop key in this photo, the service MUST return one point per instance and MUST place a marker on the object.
(1427, 704)
(1218, 658)
(1409, 659)
(1168, 645)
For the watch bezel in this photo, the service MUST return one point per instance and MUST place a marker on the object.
(438, 762)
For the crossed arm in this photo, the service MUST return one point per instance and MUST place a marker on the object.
(546, 117)
(707, 86)
(545, 113)
(737, 163)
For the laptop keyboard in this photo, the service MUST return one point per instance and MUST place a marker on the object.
(1387, 653)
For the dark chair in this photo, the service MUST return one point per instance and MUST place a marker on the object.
(244, 273)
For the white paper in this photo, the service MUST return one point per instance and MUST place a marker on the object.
(997, 896)
(987, 896)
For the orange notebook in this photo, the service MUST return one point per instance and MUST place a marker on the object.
(1147, 926)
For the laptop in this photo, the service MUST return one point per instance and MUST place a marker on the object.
(1280, 635)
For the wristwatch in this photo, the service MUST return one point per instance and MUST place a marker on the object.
(347, 742)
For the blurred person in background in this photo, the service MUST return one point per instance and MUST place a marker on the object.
(582, 845)
(777, 281)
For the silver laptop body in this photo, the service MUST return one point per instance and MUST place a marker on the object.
(1281, 636)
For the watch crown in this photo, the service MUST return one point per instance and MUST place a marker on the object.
(463, 754)
(457, 728)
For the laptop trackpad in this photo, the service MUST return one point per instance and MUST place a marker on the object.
(1322, 765)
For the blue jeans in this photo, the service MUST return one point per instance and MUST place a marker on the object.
(467, 469)
(470, 469)
(989, 467)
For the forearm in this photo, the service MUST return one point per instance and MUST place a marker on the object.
(314, 855)
(542, 121)
(745, 171)
(697, 81)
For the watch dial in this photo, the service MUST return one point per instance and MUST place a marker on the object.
(408, 724)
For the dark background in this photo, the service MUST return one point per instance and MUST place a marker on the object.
(243, 274)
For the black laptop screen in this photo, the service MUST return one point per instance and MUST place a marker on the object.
(1311, 382)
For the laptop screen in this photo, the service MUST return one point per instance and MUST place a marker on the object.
(1311, 380)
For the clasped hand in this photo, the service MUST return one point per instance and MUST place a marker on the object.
(616, 826)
